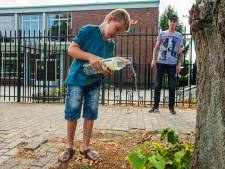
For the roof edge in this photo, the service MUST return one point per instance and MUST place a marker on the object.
(79, 7)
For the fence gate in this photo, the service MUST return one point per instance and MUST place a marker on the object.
(33, 69)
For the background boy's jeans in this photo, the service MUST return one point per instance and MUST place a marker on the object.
(171, 71)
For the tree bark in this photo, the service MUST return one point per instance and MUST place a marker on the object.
(208, 29)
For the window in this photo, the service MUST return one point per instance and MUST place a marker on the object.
(7, 26)
(9, 65)
(31, 25)
(59, 26)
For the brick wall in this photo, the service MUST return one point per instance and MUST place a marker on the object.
(147, 17)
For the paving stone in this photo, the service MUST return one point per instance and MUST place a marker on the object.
(119, 129)
(3, 151)
(3, 159)
(43, 161)
(35, 167)
(53, 163)
(4, 167)
(2, 145)
(10, 163)
(54, 149)
(35, 144)
(12, 133)
(6, 128)
(12, 152)
(23, 163)
(13, 144)
(43, 149)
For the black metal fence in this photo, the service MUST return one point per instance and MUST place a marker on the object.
(34, 67)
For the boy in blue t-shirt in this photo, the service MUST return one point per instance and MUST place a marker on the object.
(92, 43)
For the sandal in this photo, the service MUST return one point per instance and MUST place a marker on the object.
(66, 155)
(90, 154)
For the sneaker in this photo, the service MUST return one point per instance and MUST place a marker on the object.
(153, 110)
(172, 111)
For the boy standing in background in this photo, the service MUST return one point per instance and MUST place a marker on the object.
(167, 57)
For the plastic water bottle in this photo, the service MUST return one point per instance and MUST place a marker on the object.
(114, 63)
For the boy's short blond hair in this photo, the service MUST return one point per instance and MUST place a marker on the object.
(120, 15)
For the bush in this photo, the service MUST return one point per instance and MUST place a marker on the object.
(173, 155)
(50, 94)
(183, 80)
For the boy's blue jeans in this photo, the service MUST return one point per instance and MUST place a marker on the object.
(86, 96)
(171, 71)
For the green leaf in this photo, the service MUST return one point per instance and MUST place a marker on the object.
(178, 156)
(187, 158)
(144, 147)
(157, 161)
(164, 133)
(156, 145)
(172, 137)
(169, 162)
(84, 166)
(136, 159)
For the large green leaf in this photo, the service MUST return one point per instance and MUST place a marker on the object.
(136, 159)
(144, 147)
(172, 137)
(178, 156)
(157, 161)
(156, 145)
(164, 133)
(187, 158)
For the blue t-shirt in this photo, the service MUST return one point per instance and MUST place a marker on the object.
(169, 45)
(90, 40)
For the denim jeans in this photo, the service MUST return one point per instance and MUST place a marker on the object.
(171, 71)
(86, 97)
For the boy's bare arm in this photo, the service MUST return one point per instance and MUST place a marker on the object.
(179, 56)
(155, 51)
(75, 51)
(178, 67)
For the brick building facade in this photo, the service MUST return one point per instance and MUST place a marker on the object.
(65, 20)
(145, 17)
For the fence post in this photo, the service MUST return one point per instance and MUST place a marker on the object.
(19, 66)
(45, 71)
(1, 40)
(103, 91)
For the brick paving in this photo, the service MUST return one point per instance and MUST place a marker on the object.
(40, 129)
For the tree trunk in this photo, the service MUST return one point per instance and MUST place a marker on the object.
(208, 29)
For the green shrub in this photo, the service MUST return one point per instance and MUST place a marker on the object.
(172, 155)
(183, 80)
(55, 91)
(84, 166)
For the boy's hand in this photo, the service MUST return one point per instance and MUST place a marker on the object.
(106, 69)
(153, 63)
(178, 68)
(96, 63)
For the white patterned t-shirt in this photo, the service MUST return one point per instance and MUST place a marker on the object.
(169, 45)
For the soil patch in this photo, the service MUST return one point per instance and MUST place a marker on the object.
(113, 147)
